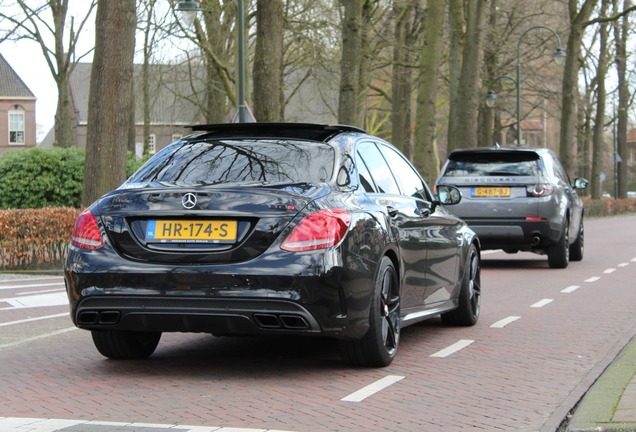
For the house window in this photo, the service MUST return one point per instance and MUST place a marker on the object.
(176, 137)
(152, 144)
(16, 127)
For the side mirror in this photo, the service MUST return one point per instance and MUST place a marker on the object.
(580, 183)
(448, 195)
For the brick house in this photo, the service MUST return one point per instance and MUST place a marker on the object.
(17, 111)
(173, 105)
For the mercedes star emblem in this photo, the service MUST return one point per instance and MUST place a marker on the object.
(189, 200)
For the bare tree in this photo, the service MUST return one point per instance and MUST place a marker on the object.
(350, 62)
(426, 156)
(462, 131)
(268, 61)
(601, 98)
(39, 22)
(110, 105)
(621, 34)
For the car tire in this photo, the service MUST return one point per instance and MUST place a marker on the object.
(577, 248)
(379, 345)
(559, 253)
(469, 301)
(129, 345)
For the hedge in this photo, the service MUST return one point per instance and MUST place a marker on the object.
(35, 238)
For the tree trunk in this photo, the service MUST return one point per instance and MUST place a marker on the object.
(426, 157)
(349, 64)
(109, 106)
(567, 144)
(621, 32)
(267, 74)
(464, 131)
(402, 78)
(457, 27)
(599, 122)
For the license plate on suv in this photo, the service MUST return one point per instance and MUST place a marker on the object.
(191, 231)
(480, 192)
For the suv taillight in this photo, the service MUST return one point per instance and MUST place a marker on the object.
(86, 234)
(539, 190)
(319, 230)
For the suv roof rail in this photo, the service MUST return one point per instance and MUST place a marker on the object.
(308, 131)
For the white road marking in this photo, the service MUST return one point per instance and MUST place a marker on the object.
(6, 287)
(33, 319)
(504, 322)
(570, 289)
(34, 338)
(592, 279)
(633, 259)
(609, 271)
(54, 299)
(372, 389)
(542, 303)
(623, 264)
(17, 424)
(489, 252)
(453, 348)
(40, 292)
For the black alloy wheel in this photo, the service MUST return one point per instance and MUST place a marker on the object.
(379, 346)
(577, 248)
(469, 302)
(559, 253)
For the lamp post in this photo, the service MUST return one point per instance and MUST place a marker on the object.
(188, 10)
(559, 56)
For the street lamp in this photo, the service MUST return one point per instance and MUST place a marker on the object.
(189, 10)
(559, 56)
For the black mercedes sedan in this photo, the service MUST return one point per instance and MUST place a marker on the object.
(272, 228)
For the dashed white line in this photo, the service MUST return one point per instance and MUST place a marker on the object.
(504, 322)
(542, 303)
(633, 259)
(453, 348)
(570, 289)
(609, 271)
(372, 389)
(33, 319)
(623, 264)
(592, 279)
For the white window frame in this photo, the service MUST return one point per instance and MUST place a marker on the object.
(176, 137)
(13, 129)
(152, 144)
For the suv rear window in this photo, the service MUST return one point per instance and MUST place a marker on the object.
(467, 164)
(239, 161)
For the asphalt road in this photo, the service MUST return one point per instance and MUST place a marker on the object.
(543, 337)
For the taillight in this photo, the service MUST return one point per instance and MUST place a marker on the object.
(319, 230)
(86, 234)
(540, 190)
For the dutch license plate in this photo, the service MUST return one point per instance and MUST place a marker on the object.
(191, 231)
(491, 192)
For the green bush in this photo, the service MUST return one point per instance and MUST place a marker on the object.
(37, 178)
(53, 177)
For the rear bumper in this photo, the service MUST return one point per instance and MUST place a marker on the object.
(517, 234)
(219, 316)
(311, 294)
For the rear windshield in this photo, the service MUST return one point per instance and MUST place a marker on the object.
(234, 161)
(492, 164)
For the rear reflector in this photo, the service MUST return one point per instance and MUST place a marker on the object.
(86, 234)
(319, 230)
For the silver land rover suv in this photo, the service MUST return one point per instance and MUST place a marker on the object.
(518, 200)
